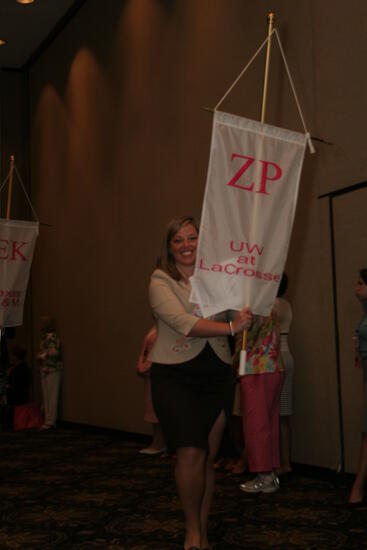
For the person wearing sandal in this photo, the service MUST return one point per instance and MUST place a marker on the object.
(358, 494)
(261, 386)
(191, 376)
(157, 445)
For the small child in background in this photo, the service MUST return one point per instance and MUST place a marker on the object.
(49, 359)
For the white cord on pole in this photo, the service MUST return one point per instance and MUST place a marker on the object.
(308, 136)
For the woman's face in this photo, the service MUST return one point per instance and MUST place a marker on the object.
(361, 290)
(183, 246)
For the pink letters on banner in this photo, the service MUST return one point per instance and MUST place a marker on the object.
(250, 248)
(10, 298)
(264, 174)
(12, 248)
(233, 269)
(247, 263)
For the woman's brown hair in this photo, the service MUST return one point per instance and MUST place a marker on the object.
(166, 261)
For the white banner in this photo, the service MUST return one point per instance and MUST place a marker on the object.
(247, 216)
(17, 243)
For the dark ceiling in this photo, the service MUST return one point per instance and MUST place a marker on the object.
(28, 28)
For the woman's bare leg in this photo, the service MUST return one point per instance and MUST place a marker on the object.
(215, 438)
(158, 438)
(359, 486)
(190, 480)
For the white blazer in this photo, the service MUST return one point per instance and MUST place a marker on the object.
(175, 317)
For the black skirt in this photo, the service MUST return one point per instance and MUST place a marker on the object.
(188, 398)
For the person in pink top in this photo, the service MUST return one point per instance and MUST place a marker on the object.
(157, 446)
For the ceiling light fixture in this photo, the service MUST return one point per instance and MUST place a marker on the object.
(25, 1)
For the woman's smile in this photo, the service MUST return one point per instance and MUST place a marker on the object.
(183, 246)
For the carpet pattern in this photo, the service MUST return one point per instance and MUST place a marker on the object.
(81, 488)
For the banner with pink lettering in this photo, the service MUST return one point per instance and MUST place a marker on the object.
(247, 215)
(17, 244)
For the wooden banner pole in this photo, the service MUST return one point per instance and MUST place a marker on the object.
(8, 205)
(10, 188)
(271, 18)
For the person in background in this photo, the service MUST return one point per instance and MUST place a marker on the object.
(191, 375)
(358, 492)
(18, 377)
(157, 445)
(260, 393)
(49, 359)
(5, 335)
(237, 464)
(283, 313)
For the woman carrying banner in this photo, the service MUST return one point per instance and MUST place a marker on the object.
(357, 495)
(191, 375)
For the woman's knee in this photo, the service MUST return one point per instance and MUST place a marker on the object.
(216, 434)
(190, 456)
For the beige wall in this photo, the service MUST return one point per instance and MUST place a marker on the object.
(120, 143)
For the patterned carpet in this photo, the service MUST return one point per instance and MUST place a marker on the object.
(82, 488)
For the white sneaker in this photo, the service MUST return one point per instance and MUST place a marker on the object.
(152, 451)
(263, 483)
